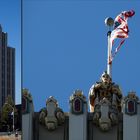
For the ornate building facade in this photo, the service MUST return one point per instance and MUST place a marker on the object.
(114, 117)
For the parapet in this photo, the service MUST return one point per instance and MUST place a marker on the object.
(104, 123)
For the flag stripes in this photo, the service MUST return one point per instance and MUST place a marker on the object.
(120, 31)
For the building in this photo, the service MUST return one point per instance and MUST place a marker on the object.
(7, 69)
(78, 124)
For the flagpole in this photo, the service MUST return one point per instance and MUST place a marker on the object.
(109, 57)
(109, 22)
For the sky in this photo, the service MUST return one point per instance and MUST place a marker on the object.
(10, 20)
(65, 48)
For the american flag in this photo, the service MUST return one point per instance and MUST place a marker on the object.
(121, 29)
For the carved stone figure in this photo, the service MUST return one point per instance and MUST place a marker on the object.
(52, 115)
(105, 101)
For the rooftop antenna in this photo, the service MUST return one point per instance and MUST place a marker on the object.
(109, 22)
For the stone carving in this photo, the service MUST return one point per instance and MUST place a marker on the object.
(78, 93)
(26, 101)
(26, 94)
(77, 101)
(105, 101)
(52, 115)
(42, 115)
(131, 95)
(130, 103)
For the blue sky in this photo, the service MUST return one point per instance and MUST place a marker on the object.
(65, 48)
(10, 20)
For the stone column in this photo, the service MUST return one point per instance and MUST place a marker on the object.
(27, 116)
(78, 116)
(131, 117)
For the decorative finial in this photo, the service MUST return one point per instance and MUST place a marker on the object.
(109, 21)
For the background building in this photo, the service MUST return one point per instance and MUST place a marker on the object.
(7, 69)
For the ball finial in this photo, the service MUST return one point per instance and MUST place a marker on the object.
(109, 21)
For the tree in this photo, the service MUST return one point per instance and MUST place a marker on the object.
(7, 110)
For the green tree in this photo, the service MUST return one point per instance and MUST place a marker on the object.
(7, 110)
